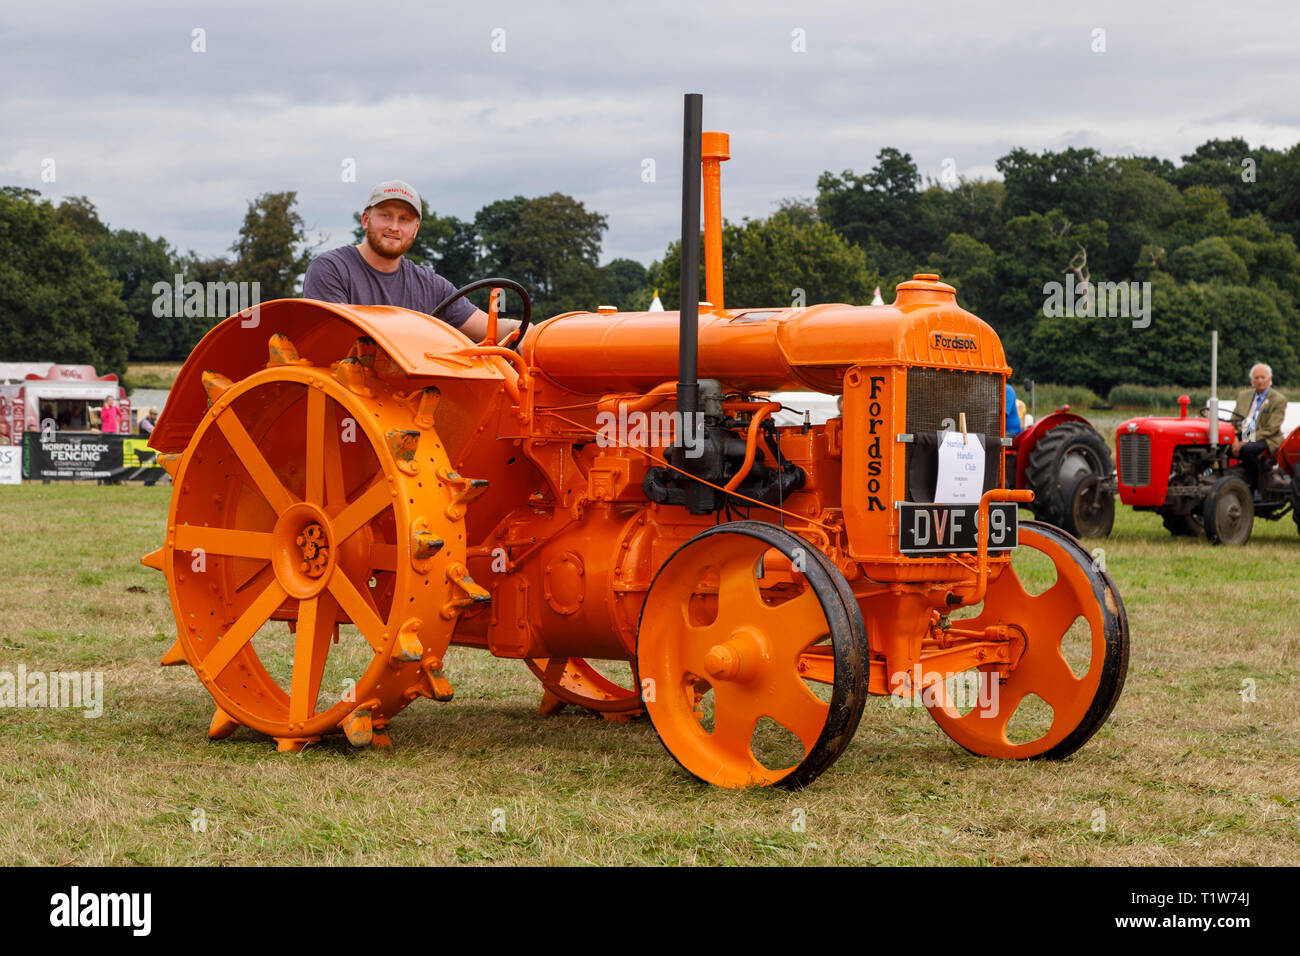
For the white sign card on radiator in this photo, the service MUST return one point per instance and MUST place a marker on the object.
(961, 469)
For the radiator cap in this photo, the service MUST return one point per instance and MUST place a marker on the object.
(924, 288)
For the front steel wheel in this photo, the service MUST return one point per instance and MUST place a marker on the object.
(1071, 670)
(753, 654)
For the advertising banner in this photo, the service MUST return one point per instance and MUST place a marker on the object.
(82, 456)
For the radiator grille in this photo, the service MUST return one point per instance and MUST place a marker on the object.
(1135, 460)
(934, 395)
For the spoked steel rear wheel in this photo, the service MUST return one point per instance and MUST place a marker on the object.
(293, 516)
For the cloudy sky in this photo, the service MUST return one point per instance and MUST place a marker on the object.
(478, 101)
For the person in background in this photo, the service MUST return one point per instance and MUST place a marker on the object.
(146, 424)
(1013, 413)
(110, 416)
(1023, 411)
(1260, 411)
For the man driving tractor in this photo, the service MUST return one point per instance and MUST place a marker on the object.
(1260, 411)
(374, 272)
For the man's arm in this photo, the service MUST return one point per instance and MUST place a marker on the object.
(1270, 421)
(476, 326)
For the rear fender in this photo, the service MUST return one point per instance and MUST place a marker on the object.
(323, 332)
(1288, 455)
(1024, 443)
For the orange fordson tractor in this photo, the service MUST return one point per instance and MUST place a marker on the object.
(358, 489)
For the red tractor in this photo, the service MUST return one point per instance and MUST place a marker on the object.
(1171, 467)
(1069, 468)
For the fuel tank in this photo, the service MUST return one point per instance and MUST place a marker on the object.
(767, 349)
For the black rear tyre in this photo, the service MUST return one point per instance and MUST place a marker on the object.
(1092, 507)
(1058, 462)
(1295, 500)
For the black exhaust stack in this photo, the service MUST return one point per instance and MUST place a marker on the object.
(707, 446)
(688, 386)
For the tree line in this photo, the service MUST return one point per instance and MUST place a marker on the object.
(1206, 243)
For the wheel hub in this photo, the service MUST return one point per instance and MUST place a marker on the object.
(303, 551)
(737, 659)
(315, 553)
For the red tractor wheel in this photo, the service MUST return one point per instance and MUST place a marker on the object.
(1229, 512)
(1092, 507)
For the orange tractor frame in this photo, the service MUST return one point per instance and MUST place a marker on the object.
(387, 488)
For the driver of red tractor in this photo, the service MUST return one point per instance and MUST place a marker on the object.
(374, 272)
(1260, 411)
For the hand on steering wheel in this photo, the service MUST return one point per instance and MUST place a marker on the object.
(510, 284)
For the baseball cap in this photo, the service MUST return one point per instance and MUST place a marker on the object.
(395, 189)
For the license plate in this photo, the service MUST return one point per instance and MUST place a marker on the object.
(927, 528)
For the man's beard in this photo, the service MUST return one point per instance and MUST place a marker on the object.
(384, 247)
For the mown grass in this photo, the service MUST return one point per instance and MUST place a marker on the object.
(1185, 771)
(160, 375)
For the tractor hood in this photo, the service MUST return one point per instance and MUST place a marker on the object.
(768, 349)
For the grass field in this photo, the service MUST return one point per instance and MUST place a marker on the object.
(152, 375)
(1185, 772)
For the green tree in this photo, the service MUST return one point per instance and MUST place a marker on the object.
(550, 244)
(970, 267)
(79, 213)
(188, 330)
(138, 263)
(1211, 259)
(1247, 178)
(972, 207)
(1140, 201)
(1284, 182)
(272, 246)
(56, 302)
(799, 210)
(773, 262)
(881, 205)
(1040, 249)
(1075, 181)
(623, 279)
(496, 225)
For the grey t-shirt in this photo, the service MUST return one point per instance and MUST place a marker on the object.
(341, 275)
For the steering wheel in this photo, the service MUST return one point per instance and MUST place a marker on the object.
(1234, 416)
(510, 284)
